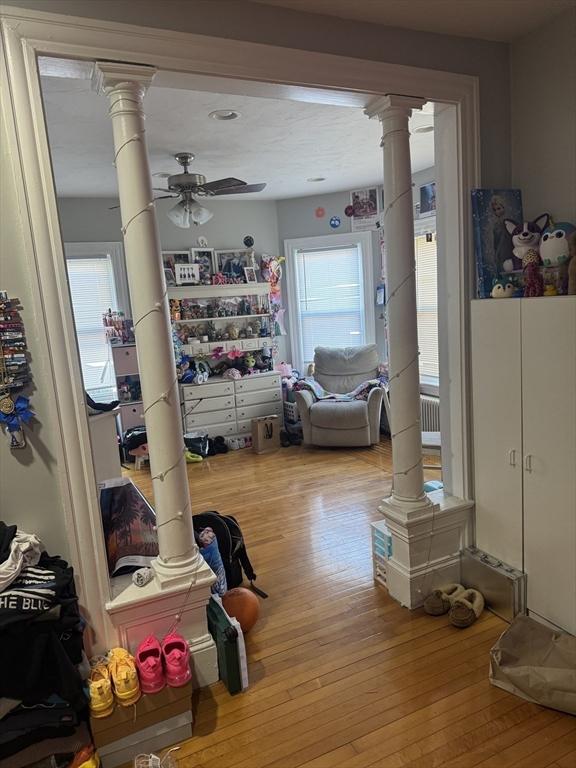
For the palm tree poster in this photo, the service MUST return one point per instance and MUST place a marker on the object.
(128, 521)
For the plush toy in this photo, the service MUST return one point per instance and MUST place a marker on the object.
(555, 245)
(232, 373)
(550, 290)
(525, 236)
(572, 266)
(503, 289)
(533, 283)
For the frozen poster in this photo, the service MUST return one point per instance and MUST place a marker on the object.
(492, 243)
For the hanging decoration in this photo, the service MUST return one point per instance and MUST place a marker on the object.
(14, 372)
(320, 212)
(248, 241)
(335, 222)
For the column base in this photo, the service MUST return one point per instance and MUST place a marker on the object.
(427, 539)
(170, 575)
(158, 607)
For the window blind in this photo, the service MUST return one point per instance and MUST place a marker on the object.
(427, 305)
(93, 292)
(330, 298)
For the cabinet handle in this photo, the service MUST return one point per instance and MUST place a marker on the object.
(512, 457)
(528, 462)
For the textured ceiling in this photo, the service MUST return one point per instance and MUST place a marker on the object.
(280, 142)
(503, 20)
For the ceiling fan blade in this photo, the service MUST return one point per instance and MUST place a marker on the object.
(113, 207)
(241, 190)
(165, 197)
(212, 187)
(159, 189)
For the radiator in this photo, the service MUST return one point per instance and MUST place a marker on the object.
(429, 413)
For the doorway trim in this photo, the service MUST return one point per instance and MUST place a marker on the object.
(287, 73)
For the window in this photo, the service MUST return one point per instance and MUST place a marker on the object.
(427, 305)
(330, 285)
(93, 291)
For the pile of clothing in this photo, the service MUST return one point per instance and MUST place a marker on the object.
(41, 645)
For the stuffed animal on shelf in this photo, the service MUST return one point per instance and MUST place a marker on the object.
(555, 244)
(572, 266)
(550, 290)
(503, 289)
(525, 236)
(533, 283)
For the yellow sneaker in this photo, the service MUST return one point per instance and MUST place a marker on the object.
(122, 669)
(100, 687)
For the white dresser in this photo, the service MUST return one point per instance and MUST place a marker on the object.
(227, 407)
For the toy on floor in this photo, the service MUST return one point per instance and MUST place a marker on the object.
(525, 236)
(243, 604)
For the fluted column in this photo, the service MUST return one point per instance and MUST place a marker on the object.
(179, 559)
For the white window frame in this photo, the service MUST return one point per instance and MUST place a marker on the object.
(116, 253)
(421, 226)
(363, 240)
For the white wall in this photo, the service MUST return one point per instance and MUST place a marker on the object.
(29, 484)
(543, 69)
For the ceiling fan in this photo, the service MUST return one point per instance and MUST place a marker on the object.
(189, 186)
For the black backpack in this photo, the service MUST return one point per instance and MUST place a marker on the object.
(231, 545)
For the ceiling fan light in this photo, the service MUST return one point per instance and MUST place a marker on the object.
(199, 214)
(180, 215)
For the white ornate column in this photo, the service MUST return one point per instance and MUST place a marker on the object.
(426, 531)
(179, 568)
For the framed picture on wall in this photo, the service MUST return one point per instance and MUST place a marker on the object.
(204, 257)
(232, 263)
(365, 208)
(171, 258)
(250, 275)
(427, 200)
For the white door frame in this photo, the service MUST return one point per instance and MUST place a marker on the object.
(364, 239)
(334, 80)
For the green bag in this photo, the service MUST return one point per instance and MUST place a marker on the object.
(229, 640)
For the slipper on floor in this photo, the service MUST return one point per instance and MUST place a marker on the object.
(440, 600)
(466, 608)
(192, 458)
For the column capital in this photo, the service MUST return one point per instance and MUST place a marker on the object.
(380, 105)
(110, 74)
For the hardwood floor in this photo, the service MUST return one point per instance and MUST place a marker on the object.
(340, 674)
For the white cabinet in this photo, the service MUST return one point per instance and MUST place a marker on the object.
(524, 417)
(227, 407)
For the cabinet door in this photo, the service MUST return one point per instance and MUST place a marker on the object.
(497, 427)
(549, 411)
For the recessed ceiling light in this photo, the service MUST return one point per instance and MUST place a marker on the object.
(424, 129)
(224, 114)
(317, 178)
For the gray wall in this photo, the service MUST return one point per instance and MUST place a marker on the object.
(241, 20)
(543, 66)
(29, 483)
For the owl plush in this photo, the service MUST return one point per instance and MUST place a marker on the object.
(555, 244)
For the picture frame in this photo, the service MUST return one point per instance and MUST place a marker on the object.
(204, 257)
(231, 263)
(250, 275)
(427, 196)
(366, 206)
(169, 260)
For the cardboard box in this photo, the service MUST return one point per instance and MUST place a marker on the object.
(265, 434)
(156, 738)
(150, 710)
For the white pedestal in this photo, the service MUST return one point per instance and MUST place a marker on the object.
(151, 610)
(426, 545)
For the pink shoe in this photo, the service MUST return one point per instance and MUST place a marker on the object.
(149, 664)
(176, 660)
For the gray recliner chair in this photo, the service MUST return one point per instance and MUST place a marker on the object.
(342, 424)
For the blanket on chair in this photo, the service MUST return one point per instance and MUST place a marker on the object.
(360, 393)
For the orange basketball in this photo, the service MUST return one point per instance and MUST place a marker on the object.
(243, 605)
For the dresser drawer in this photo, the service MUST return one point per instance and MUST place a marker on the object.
(253, 411)
(203, 405)
(250, 344)
(244, 427)
(253, 383)
(132, 415)
(195, 420)
(214, 430)
(198, 391)
(125, 361)
(260, 396)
